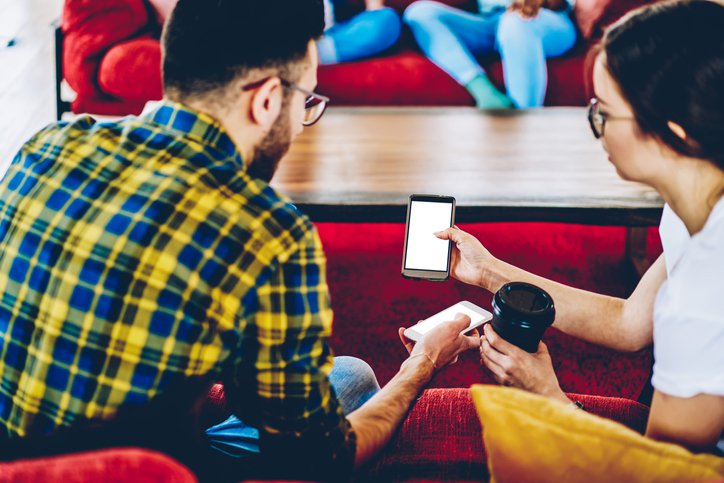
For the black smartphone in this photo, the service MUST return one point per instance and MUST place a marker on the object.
(426, 257)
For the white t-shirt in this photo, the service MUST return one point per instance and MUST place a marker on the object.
(689, 309)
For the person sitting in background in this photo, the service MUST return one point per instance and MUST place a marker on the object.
(524, 32)
(354, 29)
(659, 112)
(351, 35)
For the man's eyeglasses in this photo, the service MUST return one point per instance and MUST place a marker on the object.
(598, 119)
(314, 105)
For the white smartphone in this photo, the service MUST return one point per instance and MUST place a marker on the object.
(478, 316)
(425, 256)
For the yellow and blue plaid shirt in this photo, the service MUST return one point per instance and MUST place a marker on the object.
(138, 252)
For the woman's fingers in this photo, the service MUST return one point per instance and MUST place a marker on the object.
(495, 369)
(500, 344)
(490, 353)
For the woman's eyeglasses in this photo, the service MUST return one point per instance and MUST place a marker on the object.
(314, 105)
(598, 119)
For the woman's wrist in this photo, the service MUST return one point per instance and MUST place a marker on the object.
(492, 275)
(559, 395)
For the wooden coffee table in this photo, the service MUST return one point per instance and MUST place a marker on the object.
(361, 164)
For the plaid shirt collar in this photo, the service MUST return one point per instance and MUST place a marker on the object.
(195, 125)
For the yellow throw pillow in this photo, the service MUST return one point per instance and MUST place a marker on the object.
(529, 438)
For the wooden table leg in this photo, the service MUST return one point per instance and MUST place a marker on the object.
(636, 249)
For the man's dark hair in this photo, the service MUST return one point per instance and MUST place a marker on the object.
(668, 61)
(209, 43)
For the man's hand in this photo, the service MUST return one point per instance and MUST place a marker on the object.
(374, 4)
(469, 257)
(444, 343)
(378, 419)
(512, 366)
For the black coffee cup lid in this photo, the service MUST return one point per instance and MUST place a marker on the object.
(523, 300)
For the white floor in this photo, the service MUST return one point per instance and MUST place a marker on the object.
(27, 72)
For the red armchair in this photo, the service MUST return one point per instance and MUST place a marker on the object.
(111, 58)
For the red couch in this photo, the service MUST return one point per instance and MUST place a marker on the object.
(440, 441)
(111, 58)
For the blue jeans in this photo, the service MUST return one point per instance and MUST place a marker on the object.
(353, 381)
(453, 39)
(364, 35)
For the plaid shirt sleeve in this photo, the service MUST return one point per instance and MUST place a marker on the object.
(294, 406)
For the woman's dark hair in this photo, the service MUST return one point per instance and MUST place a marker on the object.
(668, 61)
(209, 43)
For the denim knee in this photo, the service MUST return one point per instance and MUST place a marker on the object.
(513, 30)
(357, 369)
(354, 381)
(422, 12)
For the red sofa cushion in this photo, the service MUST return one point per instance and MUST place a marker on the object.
(110, 466)
(130, 70)
(404, 78)
(90, 29)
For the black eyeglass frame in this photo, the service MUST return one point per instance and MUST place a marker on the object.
(597, 118)
(311, 97)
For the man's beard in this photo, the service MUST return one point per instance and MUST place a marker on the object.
(271, 149)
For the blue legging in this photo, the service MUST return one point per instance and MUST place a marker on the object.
(364, 35)
(453, 38)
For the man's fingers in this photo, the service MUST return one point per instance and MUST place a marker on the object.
(405, 341)
(472, 342)
(461, 322)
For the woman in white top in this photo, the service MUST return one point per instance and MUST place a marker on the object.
(659, 112)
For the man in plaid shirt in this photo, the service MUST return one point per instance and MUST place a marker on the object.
(142, 260)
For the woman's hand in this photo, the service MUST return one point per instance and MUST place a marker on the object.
(469, 257)
(374, 4)
(512, 366)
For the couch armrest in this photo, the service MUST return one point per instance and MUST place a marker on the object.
(131, 70)
(114, 465)
(442, 437)
(90, 29)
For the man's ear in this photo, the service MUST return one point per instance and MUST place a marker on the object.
(266, 103)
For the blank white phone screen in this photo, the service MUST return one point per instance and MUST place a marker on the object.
(446, 316)
(425, 251)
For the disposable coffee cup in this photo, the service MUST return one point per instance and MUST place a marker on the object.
(521, 314)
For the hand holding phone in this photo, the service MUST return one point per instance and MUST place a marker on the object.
(478, 317)
(426, 256)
